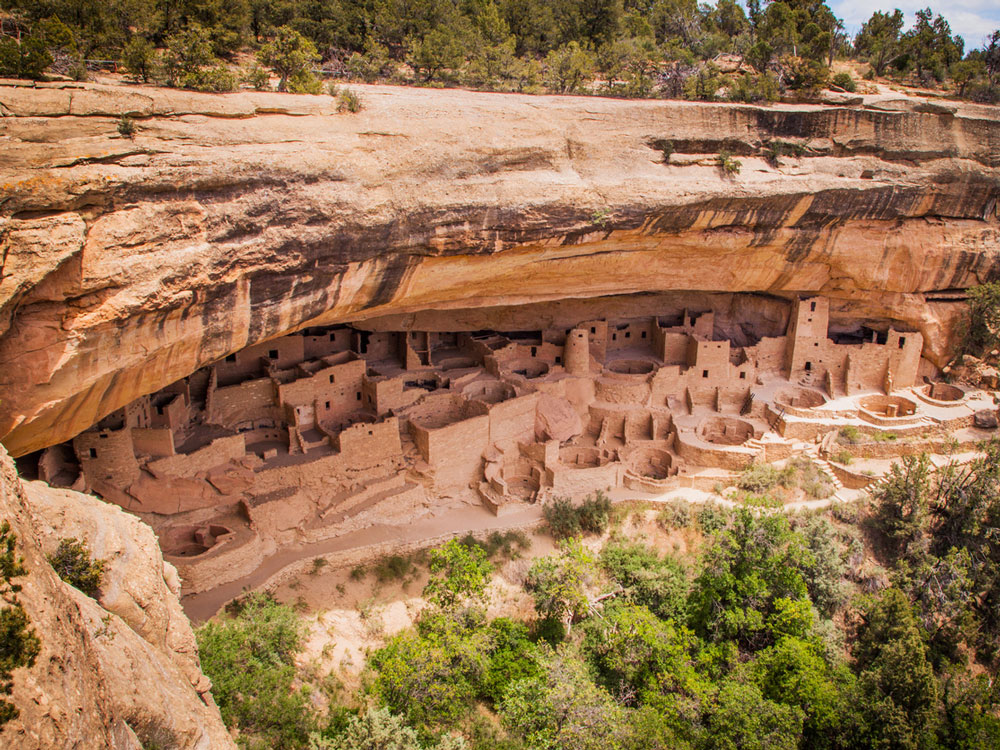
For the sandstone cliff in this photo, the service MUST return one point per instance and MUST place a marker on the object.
(121, 672)
(127, 264)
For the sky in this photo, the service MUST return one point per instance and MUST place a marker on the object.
(972, 19)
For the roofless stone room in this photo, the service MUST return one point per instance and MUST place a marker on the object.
(503, 375)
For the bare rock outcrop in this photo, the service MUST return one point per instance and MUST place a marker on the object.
(121, 672)
(228, 220)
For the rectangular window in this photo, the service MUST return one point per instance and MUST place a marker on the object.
(231, 358)
(273, 354)
(812, 307)
(534, 351)
(743, 376)
(809, 366)
(558, 360)
(902, 341)
(644, 334)
(331, 378)
(593, 329)
(333, 337)
(93, 452)
(628, 334)
(359, 395)
(704, 373)
(327, 404)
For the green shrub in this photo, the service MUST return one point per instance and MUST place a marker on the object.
(595, 513)
(843, 457)
(751, 89)
(844, 81)
(26, 58)
(19, 645)
(250, 658)
(73, 563)
(884, 437)
(849, 435)
(139, 59)
(665, 147)
(318, 564)
(675, 514)
(729, 165)
(774, 150)
(304, 82)
(982, 325)
(392, 568)
(349, 101)
(562, 518)
(257, 77)
(126, 127)
(760, 478)
(712, 517)
(657, 584)
(218, 80)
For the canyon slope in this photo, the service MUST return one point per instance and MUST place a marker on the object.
(121, 671)
(126, 264)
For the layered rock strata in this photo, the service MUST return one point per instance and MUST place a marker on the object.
(230, 220)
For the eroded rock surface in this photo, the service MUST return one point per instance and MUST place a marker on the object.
(121, 672)
(229, 220)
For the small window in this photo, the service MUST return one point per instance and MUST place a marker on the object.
(812, 307)
(743, 376)
(809, 320)
(644, 334)
(628, 334)
(103, 436)
(159, 410)
(370, 432)
(231, 358)
(809, 366)
(614, 336)
(902, 341)
(359, 395)
(816, 344)
(704, 373)
(331, 378)
(273, 354)
(534, 351)
(558, 360)
(593, 329)
(333, 337)
(93, 452)
(327, 404)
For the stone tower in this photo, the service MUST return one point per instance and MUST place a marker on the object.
(577, 352)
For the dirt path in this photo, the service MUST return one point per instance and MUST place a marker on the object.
(200, 607)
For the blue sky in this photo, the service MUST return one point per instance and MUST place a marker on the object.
(973, 19)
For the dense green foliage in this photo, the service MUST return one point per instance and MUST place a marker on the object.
(566, 519)
(250, 658)
(633, 48)
(73, 563)
(19, 645)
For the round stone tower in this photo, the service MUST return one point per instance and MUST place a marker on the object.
(577, 353)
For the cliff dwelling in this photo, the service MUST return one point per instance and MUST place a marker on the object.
(332, 429)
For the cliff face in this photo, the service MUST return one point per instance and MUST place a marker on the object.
(232, 219)
(121, 672)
